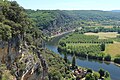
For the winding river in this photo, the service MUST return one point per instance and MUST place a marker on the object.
(95, 65)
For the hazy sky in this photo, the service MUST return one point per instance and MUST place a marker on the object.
(71, 4)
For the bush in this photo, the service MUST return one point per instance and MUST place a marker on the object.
(89, 70)
(117, 60)
(96, 75)
(63, 44)
(102, 72)
(107, 58)
(89, 76)
(102, 47)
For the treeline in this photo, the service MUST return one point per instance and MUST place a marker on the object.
(97, 29)
(101, 74)
(94, 15)
(91, 52)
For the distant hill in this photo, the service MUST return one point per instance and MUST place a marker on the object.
(58, 18)
(62, 20)
(115, 10)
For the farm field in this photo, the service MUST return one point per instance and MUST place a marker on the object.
(104, 35)
(110, 26)
(91, 43)
(113, 49)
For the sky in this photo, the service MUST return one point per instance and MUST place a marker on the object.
(70, 4)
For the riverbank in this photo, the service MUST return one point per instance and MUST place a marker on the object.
(59, 34)
(101, 59)
(93, 64)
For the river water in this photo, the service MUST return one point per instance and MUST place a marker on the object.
(93, 64)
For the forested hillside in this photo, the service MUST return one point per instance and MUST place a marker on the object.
(57, 21)
(22, 55)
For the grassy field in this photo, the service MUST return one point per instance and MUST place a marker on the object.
(113, 49)
(103, 35)
(101, 26)
(108, 26)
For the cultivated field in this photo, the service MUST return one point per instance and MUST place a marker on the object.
(103, 35)
(113, 49)
(101, 26)
(108, 26)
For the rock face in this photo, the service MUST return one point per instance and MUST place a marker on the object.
(44, 65)
(27, 65)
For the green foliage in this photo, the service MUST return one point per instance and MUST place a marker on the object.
(73, 62)
(96, 75)
(102, 47)
(118, 31)
(89, 76)
(89, 70)
(107, 74)
(83, 45)
(62, 20)
(101, 72)
(63, 44)
(107, 58)
(58, 68)
(117, 60)
(5, 32)
(16, 29)
(65, 58)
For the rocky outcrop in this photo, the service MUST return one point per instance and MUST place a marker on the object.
(44, 65)
(27, 65)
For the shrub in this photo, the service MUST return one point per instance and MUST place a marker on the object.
(107, 58)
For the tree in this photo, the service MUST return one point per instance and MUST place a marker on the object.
(65, 57)
(107, 58)
(107, 74)
(96, 75)
(118, 31)
(5, 32)
(117, 60)
(102, 73)
(89, 76)
(102, 47)
(73, 62)
(62, 43)
(89, 70)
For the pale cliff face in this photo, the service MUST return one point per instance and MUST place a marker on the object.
(24, 66)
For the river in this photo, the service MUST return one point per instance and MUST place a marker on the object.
(93, 64)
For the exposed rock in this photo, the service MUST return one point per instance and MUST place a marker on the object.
(25, 65)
